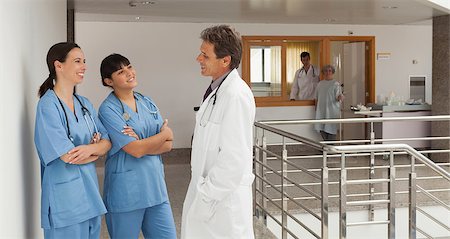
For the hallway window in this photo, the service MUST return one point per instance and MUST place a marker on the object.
(269, 64)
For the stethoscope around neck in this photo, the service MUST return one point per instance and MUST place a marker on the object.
(203, 124)
(313, 70)
(127, 116)
(86, 114)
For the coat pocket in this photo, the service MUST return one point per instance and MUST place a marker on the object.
(124, 191)
(202, 209)
(70, 196)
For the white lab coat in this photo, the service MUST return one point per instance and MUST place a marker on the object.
(305, 83)
(218, 203)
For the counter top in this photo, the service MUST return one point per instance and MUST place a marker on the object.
(398, 108)
(369, 112)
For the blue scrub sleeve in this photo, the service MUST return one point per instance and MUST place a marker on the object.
(113, 121)
(51, 134)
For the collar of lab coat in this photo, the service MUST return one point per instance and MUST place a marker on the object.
(226, 82)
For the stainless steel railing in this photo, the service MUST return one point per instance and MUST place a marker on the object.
(277, 194)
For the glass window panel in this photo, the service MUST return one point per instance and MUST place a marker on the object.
(265, 70)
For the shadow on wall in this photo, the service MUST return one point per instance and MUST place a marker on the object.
(28, 158)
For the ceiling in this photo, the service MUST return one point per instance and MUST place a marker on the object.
(363, 12)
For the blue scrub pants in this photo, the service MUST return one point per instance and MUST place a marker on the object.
(155, 222)
(87, 229)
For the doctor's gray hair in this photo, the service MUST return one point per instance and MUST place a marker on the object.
(327, 67)
(226, 41)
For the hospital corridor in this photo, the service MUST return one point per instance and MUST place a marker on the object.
(382, 173)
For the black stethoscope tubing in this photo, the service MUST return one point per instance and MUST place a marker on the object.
(314, 71)
(85, 111)
(214, 101)
(215, 93)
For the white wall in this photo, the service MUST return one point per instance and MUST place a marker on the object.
(29, 28)
(164, 56)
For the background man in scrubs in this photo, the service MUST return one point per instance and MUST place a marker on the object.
(218, 203)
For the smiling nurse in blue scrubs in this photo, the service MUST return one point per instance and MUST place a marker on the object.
(135, 191)
(69, 137)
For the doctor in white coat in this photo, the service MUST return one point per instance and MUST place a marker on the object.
(218, 203)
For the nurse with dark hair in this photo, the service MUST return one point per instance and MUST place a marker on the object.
(69, 138)
(135, 191)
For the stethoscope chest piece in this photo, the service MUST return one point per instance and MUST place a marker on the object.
(126, 116)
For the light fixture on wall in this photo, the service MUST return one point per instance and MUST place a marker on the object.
(140, 3)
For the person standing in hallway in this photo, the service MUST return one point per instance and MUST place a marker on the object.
(135, 191)
(69, 138)
(218, 203)
(328, 105)
(305, 80)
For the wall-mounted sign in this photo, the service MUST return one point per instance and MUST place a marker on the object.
(383, 56)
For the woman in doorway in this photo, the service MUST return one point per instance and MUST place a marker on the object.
(69, 138)
(328, 104)
(135, 191)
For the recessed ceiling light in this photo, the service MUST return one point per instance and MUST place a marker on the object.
(389, 7)
(140, 3)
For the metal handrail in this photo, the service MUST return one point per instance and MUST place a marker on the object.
(330, 150)
(385, 147)
(307, 141)
(434, 198)
(359, 148)
(356, 120)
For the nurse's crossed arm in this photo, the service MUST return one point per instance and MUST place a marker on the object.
(128, 130)
(84, 154)
(156, 144)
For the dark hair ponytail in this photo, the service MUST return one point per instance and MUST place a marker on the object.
(47, 85)
(57, 52)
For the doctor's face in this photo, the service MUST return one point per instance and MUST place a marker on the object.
(123, 79)
(210, 65)
(306, 61)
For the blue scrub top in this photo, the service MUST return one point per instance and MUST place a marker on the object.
(132, 183)
(70, 193)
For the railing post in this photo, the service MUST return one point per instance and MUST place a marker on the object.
(412, 201)
(372, 174)
(391, 195)
(324, 195)
(284, 206)
(343, 200)
(257, 185)
(263, 175)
